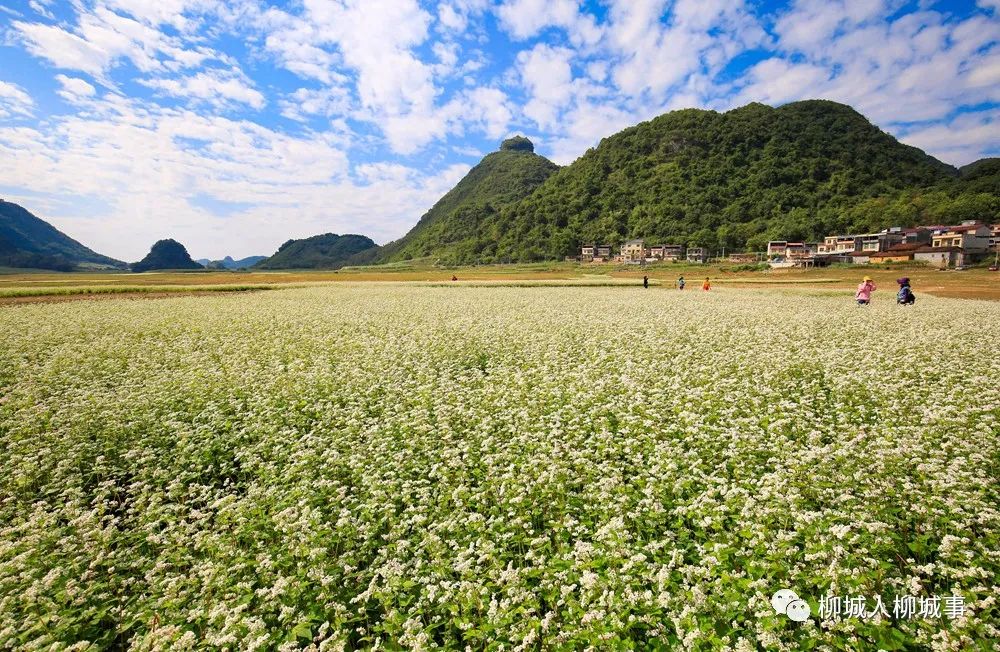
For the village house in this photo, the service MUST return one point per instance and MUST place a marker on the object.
(897, 253)
(777, 248)
(634, 251)
(783, 248)
(791, 254)
(956, 246)
(667, 252)
(896, 235)
(696, 255)
(995, 237)
(590, 253)
(971, 237)
(839, 244)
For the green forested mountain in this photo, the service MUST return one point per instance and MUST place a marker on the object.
(327, 251)
(28, 241)
(166, 254)
(734, 180)
(455, 226)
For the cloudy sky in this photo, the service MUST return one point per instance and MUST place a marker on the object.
(233, 125)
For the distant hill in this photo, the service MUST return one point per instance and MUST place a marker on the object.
(326, 251)
(703, 178)
(453, 229)
(28, 241)
(166, 255)
(229, 263)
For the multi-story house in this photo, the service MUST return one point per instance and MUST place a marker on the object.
(956, 246)
(785, 249)
(777, 248)
(971, 237)
(665, 252)
(590, 253)
(696, 255)
(634, 251)
(840, 244)
(995, 238)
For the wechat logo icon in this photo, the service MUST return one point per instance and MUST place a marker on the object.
(787, 602)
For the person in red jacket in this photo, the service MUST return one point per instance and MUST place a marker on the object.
(706, 286)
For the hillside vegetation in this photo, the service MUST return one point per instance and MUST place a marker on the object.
(326, 251)
(166, 254)
(456, 225)
(703, 178)
(28, 241)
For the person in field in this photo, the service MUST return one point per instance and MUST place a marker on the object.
(706, 286)
(864, 293)
(454, 278)
(645, 281)
(680, 283)
(905, 296)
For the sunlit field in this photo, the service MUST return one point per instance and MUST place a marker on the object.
(392, 466)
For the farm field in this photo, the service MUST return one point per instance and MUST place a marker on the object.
(48, 286)
(384, 465)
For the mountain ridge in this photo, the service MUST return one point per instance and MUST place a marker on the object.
(26, 240)
(324, 251)
(501, 178)
(167, 254)
(733, 179)
(230, 263)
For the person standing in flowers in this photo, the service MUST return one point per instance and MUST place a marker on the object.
(680, 283)
(706, 286)
(864, 293)
(645, 281)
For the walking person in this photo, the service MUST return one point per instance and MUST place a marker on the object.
(680, 283)
(706, 286)
(645, 281)
(864, 293)
(905, 296)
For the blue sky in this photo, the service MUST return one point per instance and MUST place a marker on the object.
(233, 125)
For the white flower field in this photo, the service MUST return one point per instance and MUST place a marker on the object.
(537, 468)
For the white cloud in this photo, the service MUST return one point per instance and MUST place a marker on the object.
(14, 100)
(146, 162)
(220, 88)
(547, 75)
(40, 7)
(526, 18)
(74, 90)
(102, 38)
(326, 102)
(367, 75)
(918, 67)
(962, 140)
(699, 36)
(585, 126)
(777, 81)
